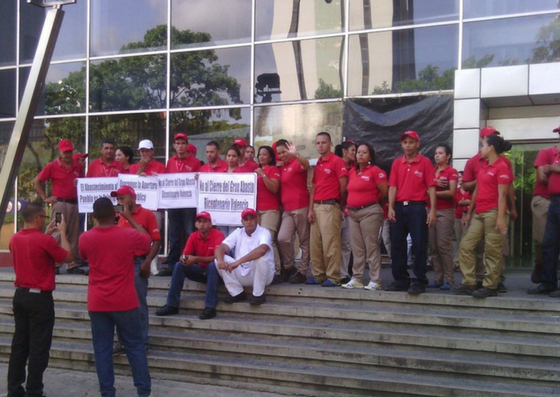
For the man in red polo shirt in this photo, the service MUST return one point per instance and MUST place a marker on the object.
(126, 196)
(147, 165)
(181, 220)
(243, 161)
(63, 173)
(215, 163)
(106, 165)
(197, 264)
(411, 183)
(327, 198)
(35, 256)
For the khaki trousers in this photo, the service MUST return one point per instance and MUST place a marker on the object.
(539, 207)
(345, 247)
(270, 219)
(483, 226)
(72, 218)
(293, 222)
(364, 230)
(325, 242)
(458, 229)
(441, 245)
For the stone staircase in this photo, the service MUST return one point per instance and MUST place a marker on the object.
(315, 341)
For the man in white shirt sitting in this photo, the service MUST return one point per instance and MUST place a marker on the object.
(253, 264)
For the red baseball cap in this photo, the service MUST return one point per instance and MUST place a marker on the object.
(65, 145)
(240, 142)
(204, 215)
(488, 131)
(181, 135)
(124, 190)
(248, 211)
(411, 134)
(557, 129)
(78, 156)
(191, 148)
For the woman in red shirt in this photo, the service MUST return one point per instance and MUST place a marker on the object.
(441, 235)
(268, 200)
(125, 156)
(367, 192)
(233, 156)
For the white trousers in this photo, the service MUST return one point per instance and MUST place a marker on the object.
(258, 276)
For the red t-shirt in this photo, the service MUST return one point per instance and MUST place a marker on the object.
(176, 165)
(98, 169)
(243, 169)
(476, 163)
(545, 157)
(153, 167)
(362, 186)
(412, 179)
(35, 255)
(448, 174)
(293, 186)
(250, 164)
(266, 200)
(198, 246)
(459, 209)
(488, 179)
(110, 252)
(62, 178)
(326, 177)
(554, 179)
(148, 221)
(221, 166)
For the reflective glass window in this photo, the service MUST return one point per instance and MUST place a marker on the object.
(220, 125)
(408, 60)
(299, 124)
(487, 8)
(65, 88)
(278, 19)
(71, 41)
(8, 228)
(8, 89)
(368, 14)
(196, 23)
(8, 18)
(124, 26)
(210, 77)
(31, 24)
(511, 41)
(128, 83)
(299, 70)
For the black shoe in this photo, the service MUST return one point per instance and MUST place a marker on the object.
(167, 311)
(502, 288)
(237, 298)
(555, 294)
(75, 270)
(416, 289)
(345, 280)
(287, 274)
(258, 300)
(118, 349)
(484, 293)
(540, 289)
(164, 273)
(207, 314)
(298, 278)
(536, 274)
(396, 287)
(479, 284)
(277, 279)
(463, 289)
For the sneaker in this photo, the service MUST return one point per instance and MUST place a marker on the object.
(258, 300)
(118, 349)
(287, 274)
(540, 289)
(502, 288)
(352, 284)
(329, 283)
(207, 314)
(434, 284)
(416, 289)
(373, 286)
(313, 281)
(345, 280)
(484, 293)
(167, 311)
(298, 278)
(445, 287)
(396, 287)
(237, 298)
(463, 289)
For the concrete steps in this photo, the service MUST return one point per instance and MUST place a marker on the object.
(331, 342)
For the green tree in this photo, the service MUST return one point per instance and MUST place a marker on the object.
(327, 91)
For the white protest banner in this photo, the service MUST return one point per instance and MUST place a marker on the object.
(225, 196)
(90, 189)
(146, 188)
(177, 190)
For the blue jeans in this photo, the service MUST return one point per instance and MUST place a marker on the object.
(551, 244)
(128, 326)
(208, 275)
(181, 225)
(410, 219)
(141, 285)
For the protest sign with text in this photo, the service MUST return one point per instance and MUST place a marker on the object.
(146, 188)
(90, 189)
(177, 190)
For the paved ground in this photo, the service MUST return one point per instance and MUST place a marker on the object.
(65, 383)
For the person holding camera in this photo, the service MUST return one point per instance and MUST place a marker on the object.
(197, 264)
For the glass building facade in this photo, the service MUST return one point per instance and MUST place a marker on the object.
(257, 69)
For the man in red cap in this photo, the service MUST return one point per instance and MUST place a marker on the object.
(214, 162)
(126, 196)
(63, 173)
(253, 264)
(181, 220)
(243, 161)
(197, 264)
(106, 165)
(80, 158)
(412, 183)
